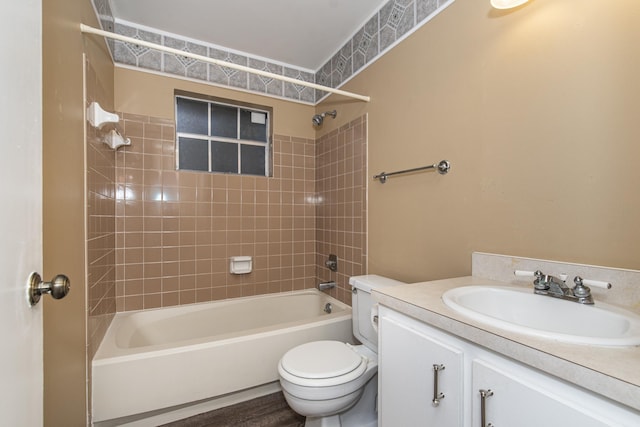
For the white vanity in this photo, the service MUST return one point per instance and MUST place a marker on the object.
(440, 368)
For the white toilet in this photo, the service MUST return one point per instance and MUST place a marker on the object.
(335, 384)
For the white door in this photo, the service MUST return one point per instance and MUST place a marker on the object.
(524, 398)
(20, 212)
(411, 391)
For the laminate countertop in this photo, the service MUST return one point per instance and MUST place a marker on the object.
(612, 372)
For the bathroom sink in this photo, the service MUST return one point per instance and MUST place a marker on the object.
(519, 310)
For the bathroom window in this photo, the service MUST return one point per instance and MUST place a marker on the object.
(219, 135)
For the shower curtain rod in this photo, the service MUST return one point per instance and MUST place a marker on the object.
(90, 30)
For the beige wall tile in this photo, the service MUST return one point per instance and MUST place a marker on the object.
(190, 223)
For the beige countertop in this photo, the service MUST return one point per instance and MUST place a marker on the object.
(613, 372)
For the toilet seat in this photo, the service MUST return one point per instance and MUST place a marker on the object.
(322, 364)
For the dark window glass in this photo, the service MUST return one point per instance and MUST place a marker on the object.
(253, 125)
(224, 121)
(252, 159)
(224, 157)
(218, 137)
(194, 154)
(192, 116)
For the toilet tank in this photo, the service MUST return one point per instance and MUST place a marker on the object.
(362, 303)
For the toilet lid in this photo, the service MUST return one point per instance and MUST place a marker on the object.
(321, 359)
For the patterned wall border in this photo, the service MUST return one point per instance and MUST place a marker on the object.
(143, 57)
(105, 17)
(395, 20)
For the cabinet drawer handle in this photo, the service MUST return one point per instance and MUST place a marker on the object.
(437, 396)
(483, 413)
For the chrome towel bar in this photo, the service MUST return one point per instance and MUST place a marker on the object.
(442, 167)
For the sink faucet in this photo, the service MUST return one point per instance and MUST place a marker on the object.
(323, 286)
(545, 284)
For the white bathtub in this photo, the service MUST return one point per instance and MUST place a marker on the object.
(156, 359)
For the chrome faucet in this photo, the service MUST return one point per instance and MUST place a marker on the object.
(323, 286)
(332, 262)
(545, 284)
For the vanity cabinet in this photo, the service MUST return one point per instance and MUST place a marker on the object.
(515, 394)
(419, 379)
(520, 397)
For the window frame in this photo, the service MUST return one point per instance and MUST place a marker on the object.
(239, 106)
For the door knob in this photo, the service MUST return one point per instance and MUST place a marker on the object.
(57, 288)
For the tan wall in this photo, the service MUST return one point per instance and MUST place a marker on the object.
(537, 110)
(65, 332)
(148, 94)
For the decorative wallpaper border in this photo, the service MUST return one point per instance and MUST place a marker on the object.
(105, 17)
(395, 20)
(143, 57)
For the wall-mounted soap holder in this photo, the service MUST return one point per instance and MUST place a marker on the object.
(114, 140)
(98, 117)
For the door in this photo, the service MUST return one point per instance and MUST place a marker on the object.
(515, 396)
(21, 212)
(420, 377)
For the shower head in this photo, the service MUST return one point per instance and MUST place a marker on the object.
(319, 118)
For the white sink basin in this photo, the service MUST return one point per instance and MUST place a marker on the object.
(520, 310)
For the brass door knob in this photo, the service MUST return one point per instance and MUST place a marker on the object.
(58, 287)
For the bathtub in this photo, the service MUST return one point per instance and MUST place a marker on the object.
(156, 359)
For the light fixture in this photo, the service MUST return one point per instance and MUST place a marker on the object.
(507, 4)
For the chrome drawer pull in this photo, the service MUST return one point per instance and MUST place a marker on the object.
(483, 415)
(437, 396)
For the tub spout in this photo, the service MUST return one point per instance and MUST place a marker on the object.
(323, 286)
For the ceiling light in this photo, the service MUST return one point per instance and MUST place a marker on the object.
(507, 4)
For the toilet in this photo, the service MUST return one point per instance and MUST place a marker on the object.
(335, 384)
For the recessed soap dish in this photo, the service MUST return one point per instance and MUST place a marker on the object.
(240, 264)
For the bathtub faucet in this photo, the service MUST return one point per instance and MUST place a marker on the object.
(323, 286)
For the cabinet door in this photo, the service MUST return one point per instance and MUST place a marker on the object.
(526, 399)
(406, 377)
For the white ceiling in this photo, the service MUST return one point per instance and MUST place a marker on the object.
(303, 33)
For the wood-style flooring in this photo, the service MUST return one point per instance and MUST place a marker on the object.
(267, 411)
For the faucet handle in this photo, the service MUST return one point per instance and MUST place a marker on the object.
(332, 262)
(583, 293)
(589, 282)
(580, 290)
(542, 280)
(525, 273)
